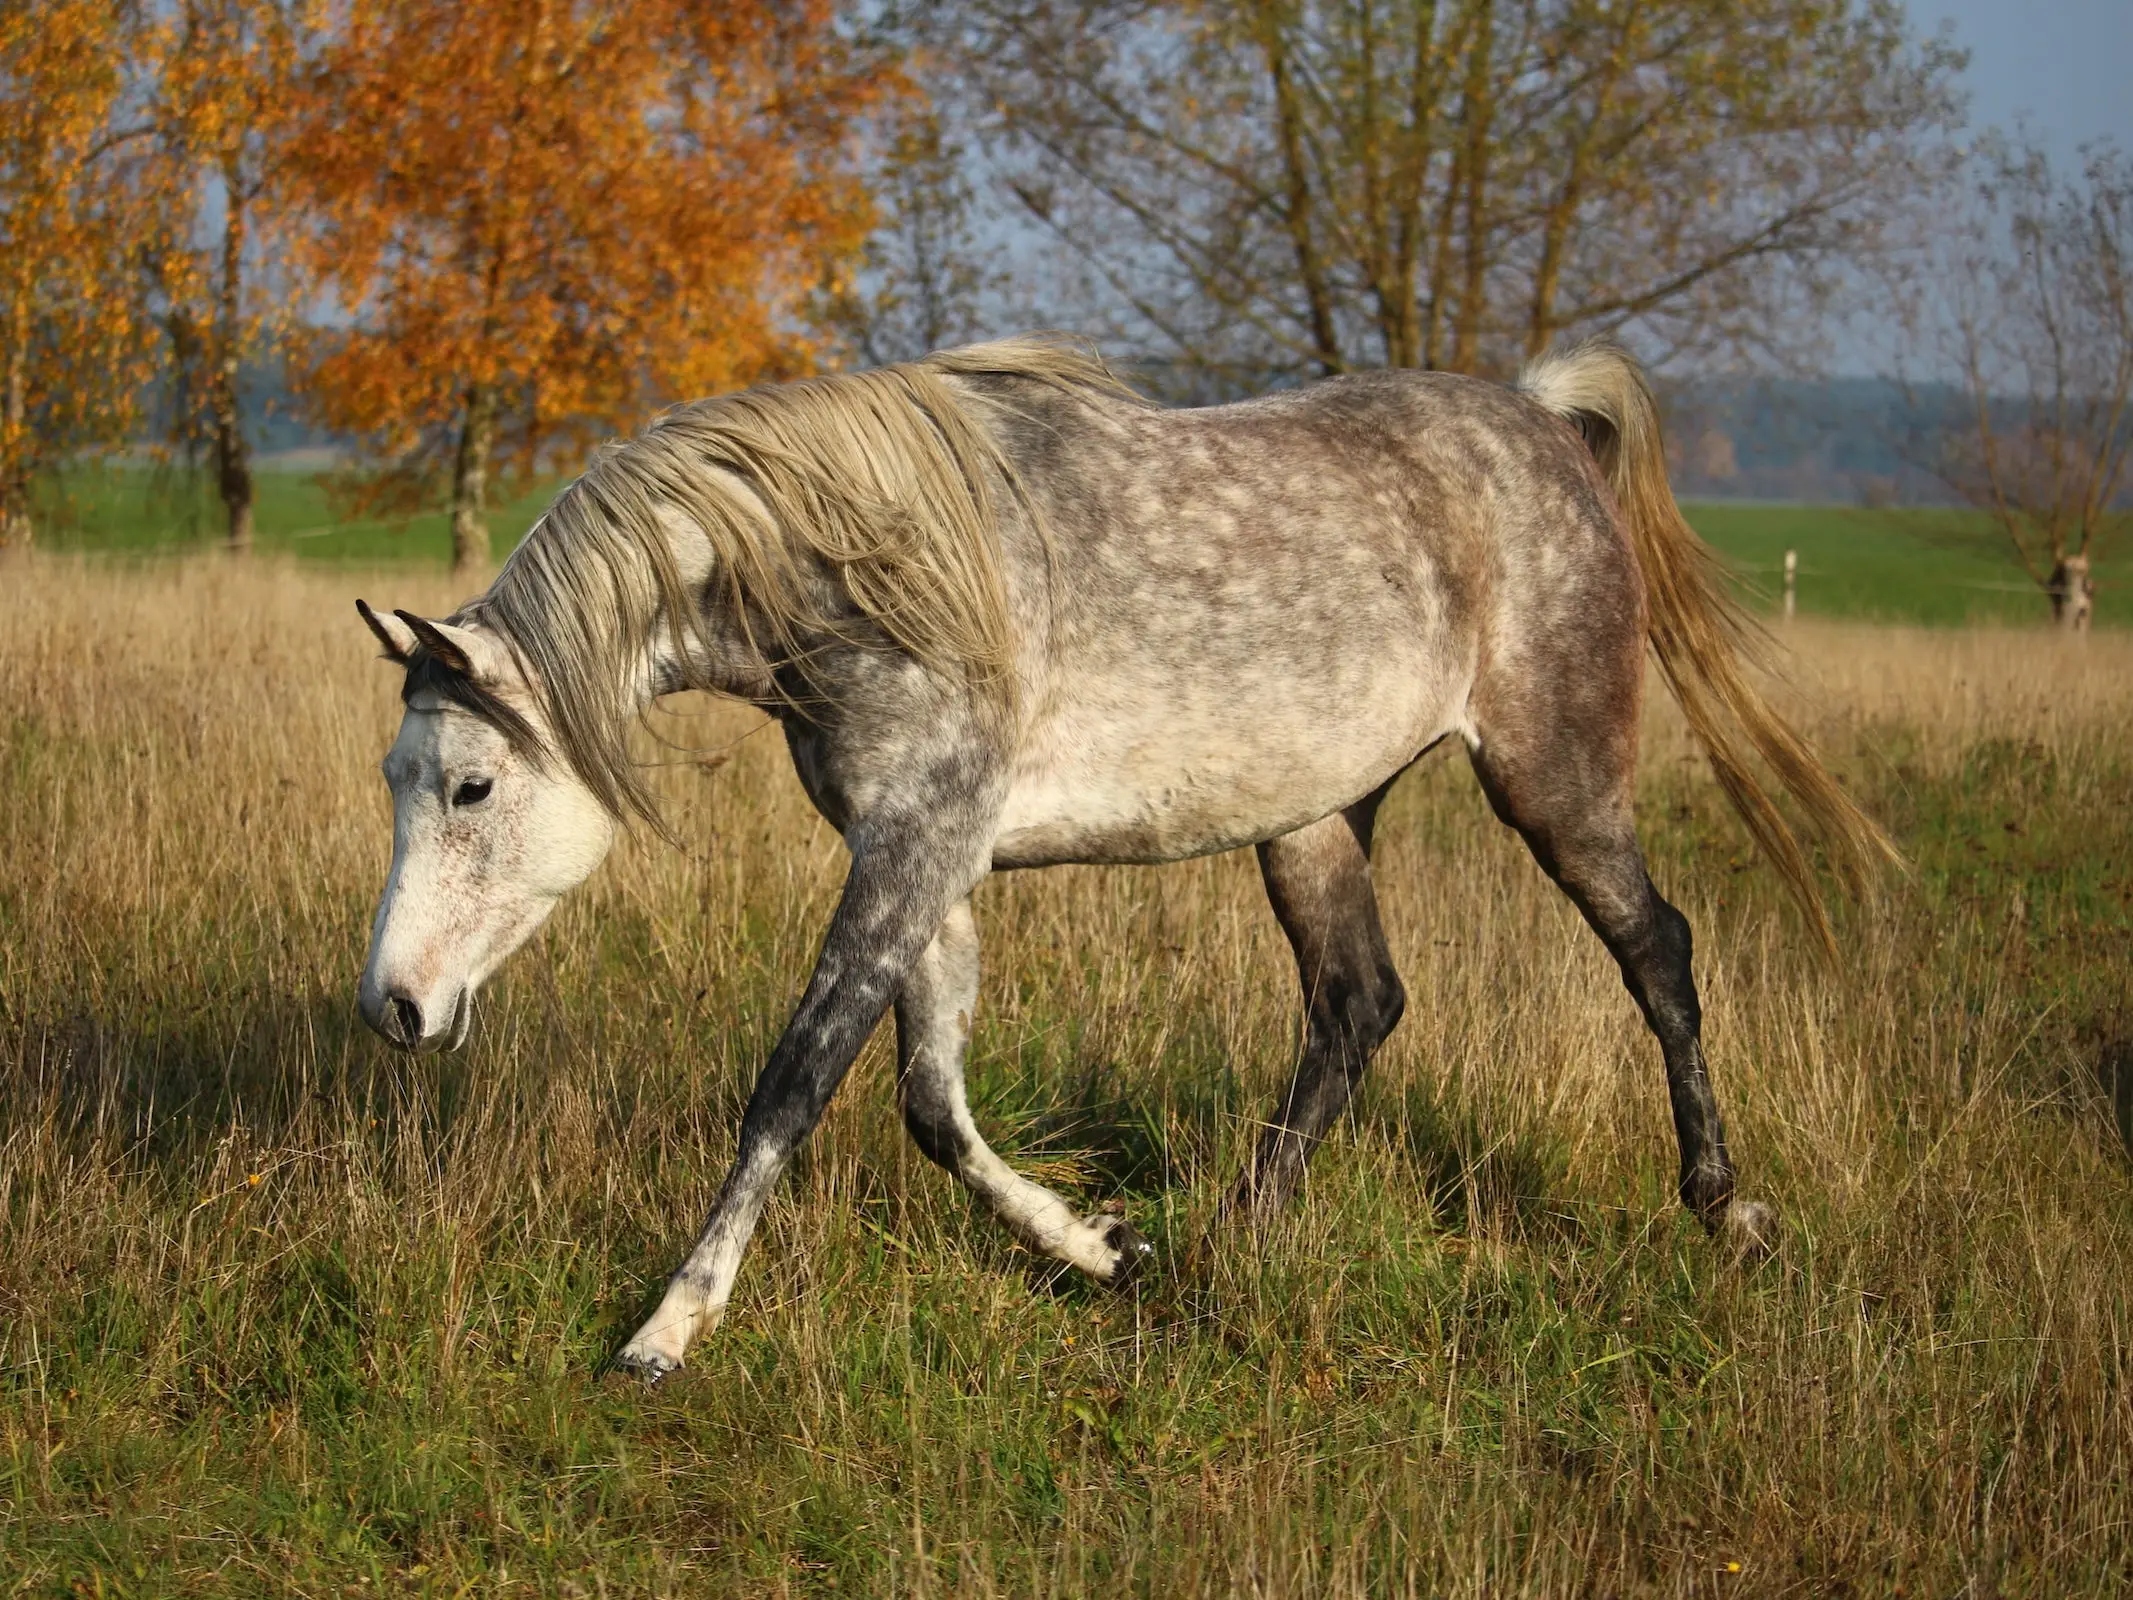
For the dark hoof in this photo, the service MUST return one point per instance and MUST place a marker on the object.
(1255, 1207)
(648, 1366)
(1748, 1231)
(1135, 1253)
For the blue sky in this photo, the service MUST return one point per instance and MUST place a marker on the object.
(2065, 65)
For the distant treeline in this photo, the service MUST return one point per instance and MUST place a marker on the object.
(1832, 441)
(1863, 441)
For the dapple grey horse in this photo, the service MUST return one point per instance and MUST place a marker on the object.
(1010, 614)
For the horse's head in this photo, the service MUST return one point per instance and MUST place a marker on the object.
(490, 829)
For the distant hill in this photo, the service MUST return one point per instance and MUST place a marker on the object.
(1836, 441)
(273, 419)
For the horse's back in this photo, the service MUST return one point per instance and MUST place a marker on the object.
(1241, 618)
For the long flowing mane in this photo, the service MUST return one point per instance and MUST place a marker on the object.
(885, 480)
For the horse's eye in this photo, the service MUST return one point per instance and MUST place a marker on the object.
(471, 793)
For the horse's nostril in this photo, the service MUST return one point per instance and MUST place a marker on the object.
(409, 1017)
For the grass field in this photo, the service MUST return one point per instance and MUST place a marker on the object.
(281, 1312)
(137, 512)
(1936, 567)
(1914, 565)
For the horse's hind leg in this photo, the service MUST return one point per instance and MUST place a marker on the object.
(933, 1014)
(1567, 789)
(1318, 879)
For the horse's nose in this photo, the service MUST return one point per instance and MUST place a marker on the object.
(402, 1021)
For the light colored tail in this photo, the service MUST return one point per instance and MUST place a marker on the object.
(1701, 638)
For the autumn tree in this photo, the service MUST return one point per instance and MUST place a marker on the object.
(538, 220)
(221, 107)
(2032, 308)
(78, 225)
(1272, 186)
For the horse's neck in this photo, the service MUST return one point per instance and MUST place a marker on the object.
(721, 658)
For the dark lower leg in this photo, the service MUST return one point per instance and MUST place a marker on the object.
(1584, 839)
(1318, 879)
(1652, 945)
(893, 902)
(1654, 954)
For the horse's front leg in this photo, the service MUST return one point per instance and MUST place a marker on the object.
(903, 879)
(940, 994)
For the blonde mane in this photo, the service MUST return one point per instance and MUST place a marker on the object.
(883, 481)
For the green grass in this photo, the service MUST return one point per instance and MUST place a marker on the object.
(1936, 567)
(281, 1312)
(136, 511)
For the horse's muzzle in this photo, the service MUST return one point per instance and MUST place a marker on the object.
(398, 1019)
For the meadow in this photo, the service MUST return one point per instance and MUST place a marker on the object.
(282, 1312)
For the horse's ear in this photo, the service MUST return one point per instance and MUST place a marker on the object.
(393, 633)
(447, 651)
(462, 650)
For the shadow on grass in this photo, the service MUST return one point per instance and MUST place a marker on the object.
(1095, 1132)
(1479, 1176)
(161, 1086)
(2110, 1040)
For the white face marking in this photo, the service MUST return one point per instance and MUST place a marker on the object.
(485, 842)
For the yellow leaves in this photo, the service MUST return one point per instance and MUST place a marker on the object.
(594, 213)
(593, 210)
(75, 218)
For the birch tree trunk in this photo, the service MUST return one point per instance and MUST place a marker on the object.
(233, 459)
(1480, 116)
(470, 480)
(1255, 187)
(2073, 594)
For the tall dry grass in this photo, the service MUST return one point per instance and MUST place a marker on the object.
(281, 1312)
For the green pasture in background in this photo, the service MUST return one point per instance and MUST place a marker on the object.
(148, 511)
(1932, 565)
(1918, 565)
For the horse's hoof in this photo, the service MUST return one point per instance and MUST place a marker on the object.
(636, 1361)
(1135, 1253)
(1748, 1232)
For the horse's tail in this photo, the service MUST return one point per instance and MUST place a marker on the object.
(1701, 638)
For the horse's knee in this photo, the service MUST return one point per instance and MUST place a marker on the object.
(1655, 953)
(1389, 1004)
(1355, 1015)
(929, 1117)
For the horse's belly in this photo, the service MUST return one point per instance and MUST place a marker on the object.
(1096, 789)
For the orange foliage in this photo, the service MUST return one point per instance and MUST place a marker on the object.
(543, 218)
(78, 223)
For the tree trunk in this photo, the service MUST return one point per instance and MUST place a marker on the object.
(1297, 209)
(1478, 108)
(1440, 267)
(1398, 292)
(2072, 593)
(1562, 211)
(470, 480)
(233, 458)
(16, 529)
